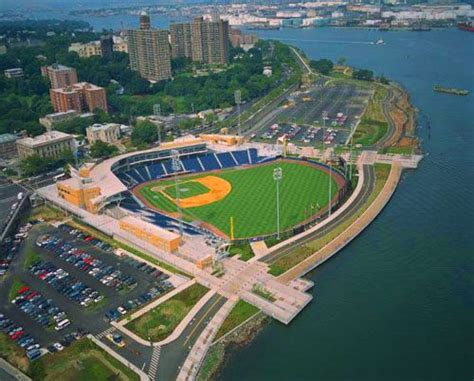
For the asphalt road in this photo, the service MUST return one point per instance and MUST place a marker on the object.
(369, 176)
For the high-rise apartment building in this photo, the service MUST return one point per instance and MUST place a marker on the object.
(60, 75)
(149, 51)
(81, 97)
(181, 40)
(202, 40)
(106, 46)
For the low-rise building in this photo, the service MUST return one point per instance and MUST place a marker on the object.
(86, 50)
(108, 133)
(152, 234)
(82, 97)
(8, 148)
(16, 72)
(94, 48)
(49, 144)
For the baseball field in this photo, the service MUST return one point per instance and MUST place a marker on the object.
(248, 195)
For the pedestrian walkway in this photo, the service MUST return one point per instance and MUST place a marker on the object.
(155, 359)
(201, 346)
(104, 333)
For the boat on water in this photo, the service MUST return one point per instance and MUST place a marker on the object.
(466, 26)
(450, 90)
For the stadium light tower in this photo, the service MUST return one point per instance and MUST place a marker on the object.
(326, 117)
(238, 100)
(277, 176)
(176, 165)
(157, 113)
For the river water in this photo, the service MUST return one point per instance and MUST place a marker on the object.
(397, 303)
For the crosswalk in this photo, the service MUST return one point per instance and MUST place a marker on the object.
(155, 359)
(104, 333)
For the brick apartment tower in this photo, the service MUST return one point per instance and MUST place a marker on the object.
(59, 75)
(82, 97)
(149, 51)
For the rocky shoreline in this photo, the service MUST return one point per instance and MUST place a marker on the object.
(222, 351)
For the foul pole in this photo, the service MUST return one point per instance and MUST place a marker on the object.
(277, 176)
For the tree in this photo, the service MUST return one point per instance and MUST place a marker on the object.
(384, 80)
(144, 133)
(34, 165)
(102, 149)
(363, 74)
(342, 61)
(323, 66)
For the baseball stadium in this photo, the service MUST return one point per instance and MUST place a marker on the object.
(194, 194)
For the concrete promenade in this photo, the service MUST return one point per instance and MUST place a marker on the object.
(194, 361)
(350, 233)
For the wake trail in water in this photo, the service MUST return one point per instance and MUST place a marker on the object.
(329, 41)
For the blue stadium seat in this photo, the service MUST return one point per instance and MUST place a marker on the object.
(209, 162)
(226, 160)
(241, 156)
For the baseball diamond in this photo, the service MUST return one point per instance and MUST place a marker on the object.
(248, 195)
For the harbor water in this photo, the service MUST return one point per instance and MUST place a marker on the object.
(397, 303)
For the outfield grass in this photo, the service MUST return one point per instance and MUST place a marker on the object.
(252, 201)
(240, 313)
(299, 254)
(85, 361)
(186, 189)
(158, 323)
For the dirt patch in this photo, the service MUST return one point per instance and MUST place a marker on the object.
(218, 189)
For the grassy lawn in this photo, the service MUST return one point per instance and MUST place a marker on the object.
(85, 361)
(160, 322)
(252, 201)
(16, 285)
(13, 353)
(243, 250)
(211, 362)
(45, 213)
(186, 189)
(373, 125)
(240, 313)
(97, 234)
(31, 257)
(301, 253)
(406, 150)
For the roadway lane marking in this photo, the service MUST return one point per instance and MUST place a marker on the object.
(200, 320)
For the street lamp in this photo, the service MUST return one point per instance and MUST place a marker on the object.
(238, 100)
(277, 176)
(176, 165)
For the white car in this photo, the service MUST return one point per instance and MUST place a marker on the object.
(58, 347)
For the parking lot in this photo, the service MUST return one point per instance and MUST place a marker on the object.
(304, 115)
(65, 275)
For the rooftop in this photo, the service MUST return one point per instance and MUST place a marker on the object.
(47, 137)
(149, 228)
(99, 127)
(5, 138)
(59, 67)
